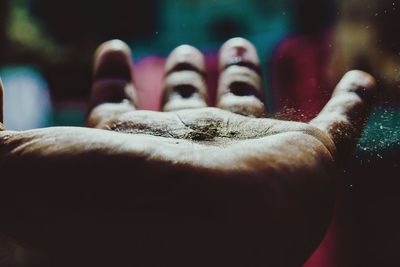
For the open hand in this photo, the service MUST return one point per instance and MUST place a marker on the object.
(216, 186)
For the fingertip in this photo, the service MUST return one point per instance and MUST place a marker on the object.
(115, 45)
(113, 59)
(362, 77)
(238, 42)
(238, 50)
(359, 82)
(185, 57)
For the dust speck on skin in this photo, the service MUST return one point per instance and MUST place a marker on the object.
(381, 134)
(289, 114)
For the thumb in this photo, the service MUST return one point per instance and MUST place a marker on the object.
(344, 116)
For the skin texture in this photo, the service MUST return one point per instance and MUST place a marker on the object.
(191, 186)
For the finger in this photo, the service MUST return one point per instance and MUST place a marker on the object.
(1, 104)
(344, 116)
(113, 91)
(184, 83)
(239, 86)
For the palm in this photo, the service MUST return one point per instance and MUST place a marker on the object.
(244, 190)
(212, 131)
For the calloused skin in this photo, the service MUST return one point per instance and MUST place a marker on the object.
(191, 186)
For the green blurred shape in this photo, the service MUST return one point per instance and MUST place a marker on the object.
(381, 138)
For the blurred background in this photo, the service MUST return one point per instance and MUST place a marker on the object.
(305, 46)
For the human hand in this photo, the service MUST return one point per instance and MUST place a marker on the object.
(232, 189)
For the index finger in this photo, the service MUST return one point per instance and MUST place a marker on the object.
(113, 91)
(344, 116)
